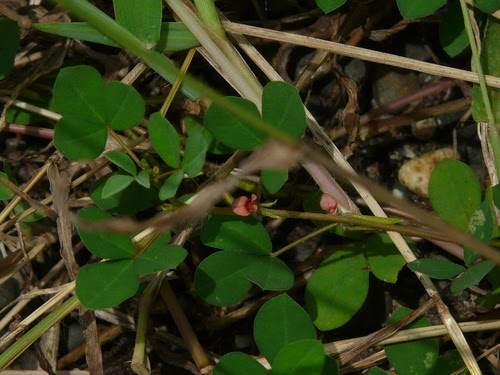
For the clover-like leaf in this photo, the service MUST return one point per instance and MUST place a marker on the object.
(194, 153)
(384, 259)
(269, 273)
(122, 160)
(170, 186)
(338, 288)
(273, 180)
(238, 233)
(472, 276)
(219, 280)
(328, 5)
(279, 322)
(300, 357)
(79, 138)
(414, 357)
(231, 130)
(437, 269)
(454, 192)
(283, 108)
(131, 200)
(417, 9)
(124, 106)
(79, 92)
(238, 363)
(115, 184)
(104, 244)
(165, 139)
(159, 257)
(103, 285)
(142, 179)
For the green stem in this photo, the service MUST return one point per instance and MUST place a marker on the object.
(492, 127)
(208, 13)
(302, 239)
(13, 351)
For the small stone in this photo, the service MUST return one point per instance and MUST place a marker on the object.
(416, 173)
(424, 129)
(391, 85)
(242, 341)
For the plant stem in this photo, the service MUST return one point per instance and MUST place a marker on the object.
(13, 351)
(492, 127)
(208, 13)
(125, 147)
(177, 83)
(302, 239)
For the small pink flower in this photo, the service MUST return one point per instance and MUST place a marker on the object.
(243, 206)
(328, 203)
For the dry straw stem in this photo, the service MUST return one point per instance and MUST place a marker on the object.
(359, 53)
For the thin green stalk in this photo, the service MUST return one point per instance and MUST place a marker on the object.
(138, 361)
(492, 127)
(302, 239)
(208, 13)
(17, 348)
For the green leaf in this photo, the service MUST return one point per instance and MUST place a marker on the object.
(122, 160)
(269, 273)
(104, 244)
(283, 108)
(238, 364)
(103, 285)
(329, 5)
(481, 226)
(219, 280)
(174, 36)
(488, 6)
(496, 195)
(229, 129)
(165, 139)
(491, 299)
(331, 367)
(417, 9)
(115, 184)
(437, 269)
(195, 123)
(5, 192)
(448, 363)
(300, 357)
(273, 180)
(143, 179)
(133, 199)
(472, 276)
(9, 43)
(377, 371)
(124, 106)
(79, 92)
(194, 153)
(452, 33)
(384, 259)
(159, 257)
(454, 192)
(490, 55)
(170, 186)
(78, 138)
(76, 30)
(141, 19)
(338, 288)
(229, 232)
(414, 357)
(23, 206)
(279, 322)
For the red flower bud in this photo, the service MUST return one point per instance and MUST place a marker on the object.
(243, 206)
(328, 203)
